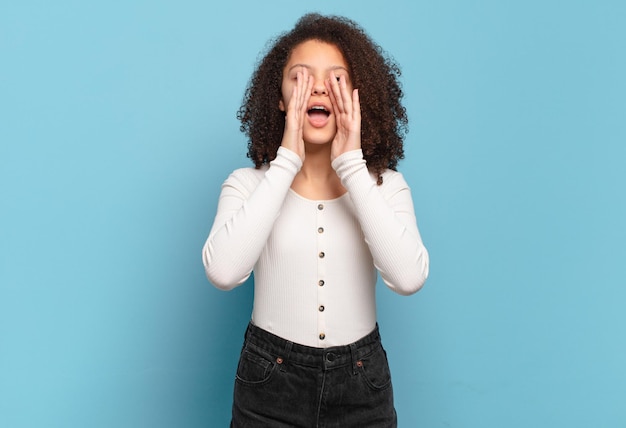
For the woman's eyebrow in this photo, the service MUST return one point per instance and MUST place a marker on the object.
(334, 67)
(299, 65)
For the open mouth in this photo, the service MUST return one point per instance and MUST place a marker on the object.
(318, 115)
(318, 111)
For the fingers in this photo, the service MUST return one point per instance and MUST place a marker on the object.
(296, 113)
(356, 104)
(336, 88)
(308, 88)
(302, 91)
(341, 98)
(300, 97)
(302, 83)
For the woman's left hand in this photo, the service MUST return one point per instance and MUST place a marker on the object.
(347, 111)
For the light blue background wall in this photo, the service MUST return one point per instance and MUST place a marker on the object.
(117, 127)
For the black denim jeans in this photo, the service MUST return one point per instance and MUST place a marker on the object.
(282, 384)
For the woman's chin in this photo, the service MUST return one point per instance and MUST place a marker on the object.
(319, 137)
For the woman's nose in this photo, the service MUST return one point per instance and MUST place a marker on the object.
(319, 88)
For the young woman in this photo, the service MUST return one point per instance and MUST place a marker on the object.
(321, 213)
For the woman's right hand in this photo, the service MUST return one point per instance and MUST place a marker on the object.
(296, 113)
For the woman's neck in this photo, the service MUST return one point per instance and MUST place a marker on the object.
(317, 179)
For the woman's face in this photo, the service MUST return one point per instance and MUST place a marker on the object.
(319, 59)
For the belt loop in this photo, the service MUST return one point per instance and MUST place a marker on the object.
(287, 350)
(354, 357)
(286, 353)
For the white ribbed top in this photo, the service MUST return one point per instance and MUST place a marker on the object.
(315, 262)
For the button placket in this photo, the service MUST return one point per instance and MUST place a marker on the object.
(320, 235)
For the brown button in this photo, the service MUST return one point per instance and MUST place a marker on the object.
(322, 336)
(320, 230)
(321, 283)
(279, 360)
(322, 254)
(321, 308)
(359, 363)
(320, 207)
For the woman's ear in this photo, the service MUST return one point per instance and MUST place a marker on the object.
(281, 105)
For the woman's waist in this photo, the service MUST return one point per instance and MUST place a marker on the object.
(316, 325)
(285, 350)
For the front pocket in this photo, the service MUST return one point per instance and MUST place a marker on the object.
(374, 369)
(254, 368)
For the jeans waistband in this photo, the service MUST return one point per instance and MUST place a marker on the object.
(286, 351)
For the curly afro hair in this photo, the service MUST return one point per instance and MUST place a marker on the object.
(384, 122)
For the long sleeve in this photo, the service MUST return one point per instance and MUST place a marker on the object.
(388, 222)
(249, 204)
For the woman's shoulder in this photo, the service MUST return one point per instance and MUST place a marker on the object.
(392, 180)
(246, 178)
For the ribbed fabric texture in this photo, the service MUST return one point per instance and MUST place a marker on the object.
(315, 262)
(387, 217)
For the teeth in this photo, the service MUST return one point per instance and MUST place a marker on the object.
(321, 108)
